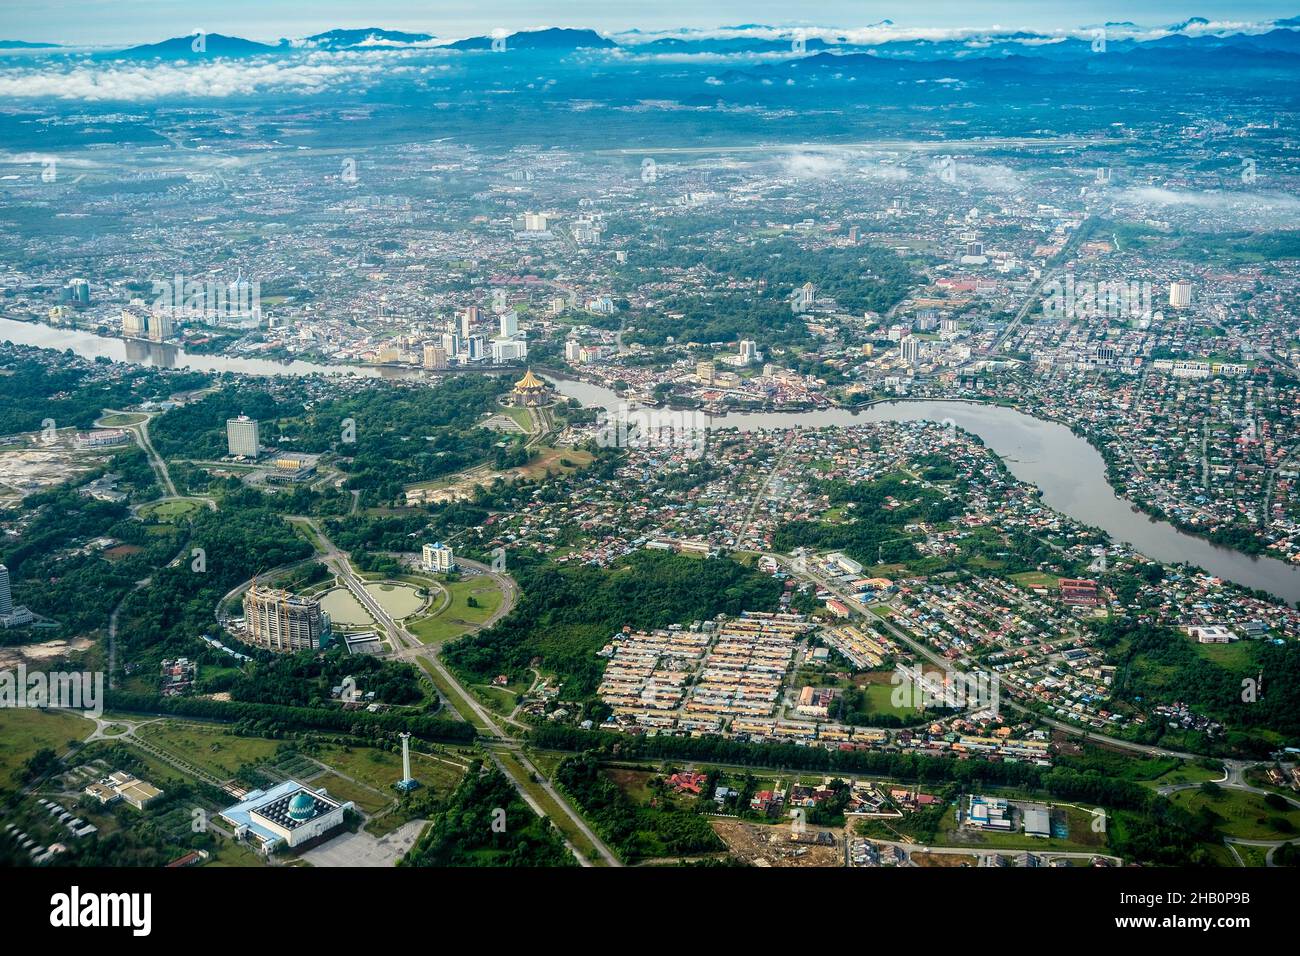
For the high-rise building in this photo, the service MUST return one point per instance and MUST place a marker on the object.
(77, 291)
(535, 222)
(475, 347)
(437, 558)
(1180, 294)
(910, 347)
(6, 595)
(572, 350)
(435, 357)
(509, 324)
(748, 351)
(509, 350)
(242, 437)
(451, 344)
(283, 622)
(135, 322)
(160, 327)
(705, 371)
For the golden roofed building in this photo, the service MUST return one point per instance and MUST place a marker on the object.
(530, 391)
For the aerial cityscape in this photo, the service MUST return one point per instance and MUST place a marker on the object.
(650, 444)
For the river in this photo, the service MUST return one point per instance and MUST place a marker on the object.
(1070, 472)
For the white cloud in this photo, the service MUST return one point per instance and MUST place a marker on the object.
(136, 82)
(812, 165)
(1218, 201)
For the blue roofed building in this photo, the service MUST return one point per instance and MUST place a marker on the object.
(289, 814)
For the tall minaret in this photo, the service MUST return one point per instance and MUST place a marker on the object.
(407, 782)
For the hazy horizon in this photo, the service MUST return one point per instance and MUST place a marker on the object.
(97, 22)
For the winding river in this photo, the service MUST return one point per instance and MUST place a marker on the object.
(1070, 472)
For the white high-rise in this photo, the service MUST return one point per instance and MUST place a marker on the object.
(1180, 294)
(242, 437)
(6, 595)
(437, 558)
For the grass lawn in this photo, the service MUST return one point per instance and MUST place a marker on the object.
(880, 697)
(169, 512)
(380, 769)
(1244, 814)
(121, 421)
(456, 617)
(1238, 656)
(367, 800)
(1187, 773)
(1036, 579)
(230, 853)
(25, 730)
(207, 747)
(521, 417)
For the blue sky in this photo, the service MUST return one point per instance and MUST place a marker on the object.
(134, 21)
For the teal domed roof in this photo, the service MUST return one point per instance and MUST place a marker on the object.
(302, 806)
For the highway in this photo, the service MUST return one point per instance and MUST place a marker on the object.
(407, 646)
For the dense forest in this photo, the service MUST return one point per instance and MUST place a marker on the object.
(486, 823)
(1162, 665)
(74, 392)
(875, 514)
(398, 434)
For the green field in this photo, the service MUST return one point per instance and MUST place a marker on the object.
(379, 769)
(170, 512)
(25, 730)
(453, 616)
(1242, 814)
(1036, 579)
(121, 421)
(207, 747)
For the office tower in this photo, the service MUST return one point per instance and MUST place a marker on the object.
(475, 346)
(748, 351)
(509, 350)
(283, 622)
(535, 222)
(77, 291)
(509, 324)
(438, 558)
(451, 344)
(705, 371)
(242, 437)
(572, 350)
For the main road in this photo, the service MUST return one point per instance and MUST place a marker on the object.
(407, 646)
